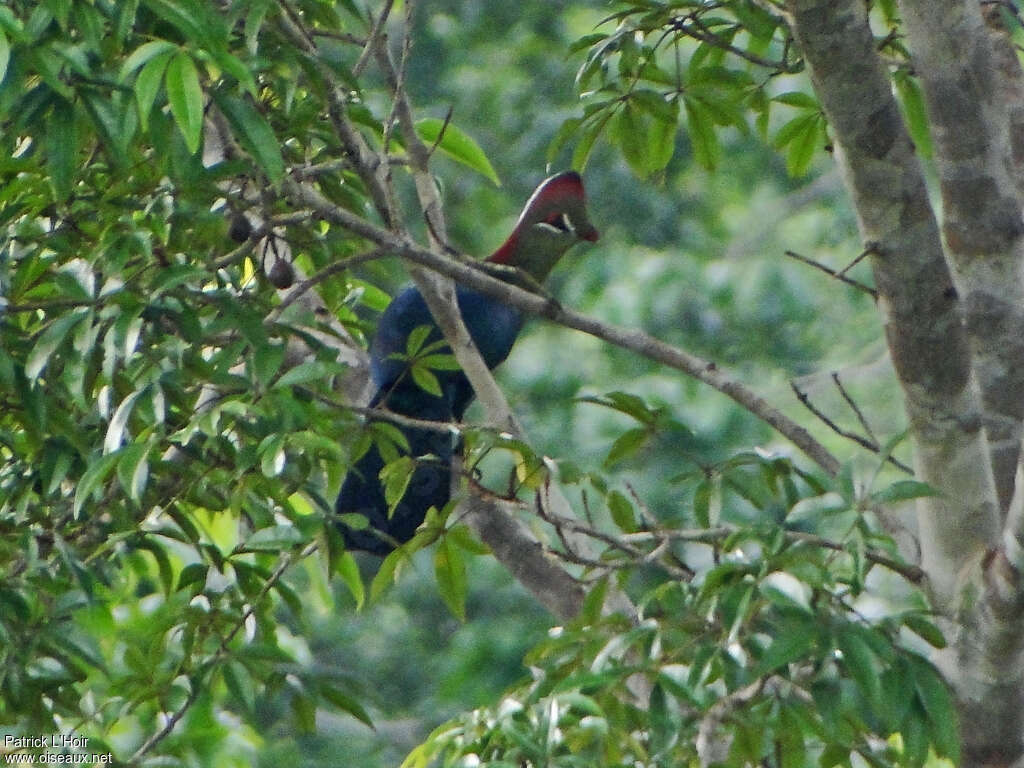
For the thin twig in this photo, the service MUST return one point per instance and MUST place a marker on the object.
(711, 536)
(323, 274)
(363, 160)
(853, 405)
(46, 305)
(372, 40)
(705, 35)
(444, 127)
(266, 229)
(344, 37)
(870, 250)
(383, 414)
(858, 439)
(837, 275)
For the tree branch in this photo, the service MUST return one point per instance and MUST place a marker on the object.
(863, 442)
(635, 341)
(837, 275)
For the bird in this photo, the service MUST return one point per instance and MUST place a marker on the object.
(553, 220)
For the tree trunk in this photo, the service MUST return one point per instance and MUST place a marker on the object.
(955, 333)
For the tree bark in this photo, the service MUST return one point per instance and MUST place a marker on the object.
(969, 102)
(956, 369)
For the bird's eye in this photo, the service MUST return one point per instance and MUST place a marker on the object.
(559, 222)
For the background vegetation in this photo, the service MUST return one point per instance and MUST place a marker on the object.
(160, 506)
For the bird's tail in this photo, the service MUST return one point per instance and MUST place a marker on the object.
(362, 492)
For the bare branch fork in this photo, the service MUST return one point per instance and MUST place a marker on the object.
(841, 274)
(864, 442)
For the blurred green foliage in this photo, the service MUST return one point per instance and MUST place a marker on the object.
(155, 555)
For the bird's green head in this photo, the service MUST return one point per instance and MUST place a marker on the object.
(554, 219)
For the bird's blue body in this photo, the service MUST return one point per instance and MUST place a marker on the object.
(492, 325)
(553, 220)
(494, 328)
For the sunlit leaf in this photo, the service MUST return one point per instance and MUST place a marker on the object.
(147, 84)
(186, 98)
(456, 144)
(450, 570)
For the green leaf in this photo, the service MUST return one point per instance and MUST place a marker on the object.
(815, 508)
(706, 149)
(416, 339)
(622, 512)
(348, 569)
(588, 137)
(802, 147)
(655, 104)
(663, 727)
(61, 148)
(304, 711)
(272, 455)
(387, 574)
(145, 53)
(894, 683)
(943, 724)
(91, 479)
(240, 684)
(702, 502)
(628, 129)
(147, 84)
(627, 444)
(439, 362)
(11, 23)
(465, 540)
(186, 20)
(452, 583)
(758, 22)
(234, 67)
(792, 129)
(50, 341)
(562, 135)
(904, 490)
(797, 99)
(396, 476)
(176, 275)
(304, 373)
(593, 602)
(266, 360)
(859, 662)
(5, 55)
(661, 145)
(119, 422)
(133, 470)
(915, 737)
(186, 97)
(792, 639)
(912, 101)
(456, 144)
(346, 703)
(426, 380)
(920, 626)
(254, 133)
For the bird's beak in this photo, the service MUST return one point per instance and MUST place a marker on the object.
(588, 232)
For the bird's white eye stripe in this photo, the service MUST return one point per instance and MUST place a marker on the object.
(559, 223)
